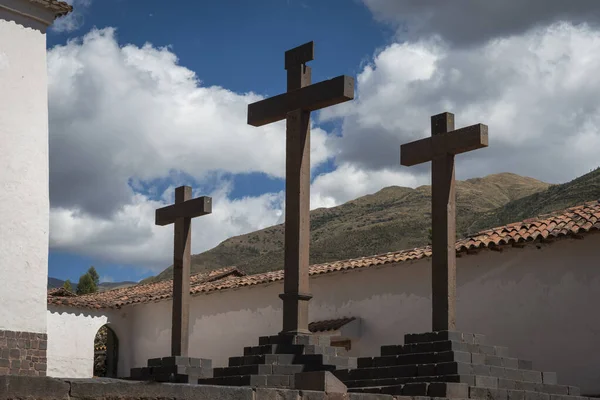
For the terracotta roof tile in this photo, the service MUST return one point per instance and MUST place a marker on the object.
(145, 293)
(59, 8)
(570, 222)
(329, 325)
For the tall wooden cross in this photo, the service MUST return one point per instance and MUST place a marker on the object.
(295, 106)
(181, 214)
(440, 149)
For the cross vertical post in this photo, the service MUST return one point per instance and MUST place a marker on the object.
(181, 278)
(296, 291)
(295, 107)
(443, 215)
(180, 214)
(445, 142)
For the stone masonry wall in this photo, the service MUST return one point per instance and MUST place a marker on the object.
(37, 388)
(23, 353)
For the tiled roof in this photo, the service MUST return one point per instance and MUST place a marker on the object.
(59, 8)
(61, 292)
(145, 293)
(574, 222)
(329, 325)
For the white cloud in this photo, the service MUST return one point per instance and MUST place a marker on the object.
(106, 279)
(127, 112)
(75, 19)
(120, 114)
(536, 92)
(471, 22)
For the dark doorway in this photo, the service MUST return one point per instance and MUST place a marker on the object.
(106, 353)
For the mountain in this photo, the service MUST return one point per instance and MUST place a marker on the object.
(556, 197)
(392, 219)
(103, 286)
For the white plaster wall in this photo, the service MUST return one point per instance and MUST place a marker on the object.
(539, 302)
(24, 201)
(71, 336)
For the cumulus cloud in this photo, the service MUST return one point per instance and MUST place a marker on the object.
(124, 116)
(535, 92)
(132, 112)
(75, 19)
(468, 22)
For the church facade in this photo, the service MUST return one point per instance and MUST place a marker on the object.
(532, 286)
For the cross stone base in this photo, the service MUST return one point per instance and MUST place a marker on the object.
(174, 369)
(453, 365)
(275, 361)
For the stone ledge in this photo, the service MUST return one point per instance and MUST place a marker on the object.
(43, 388)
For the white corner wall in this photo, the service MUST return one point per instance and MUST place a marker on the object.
(71, 335)
(541, 303)
(24, 197)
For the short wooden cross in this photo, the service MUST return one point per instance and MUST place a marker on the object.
(181, 214)
(440, 149)
(295, 106)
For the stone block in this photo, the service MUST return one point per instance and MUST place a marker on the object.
(536, 396)
(34, 387)
(525, 364)
(478, 358)
(313, 395)
(453, 368)
(371, 396)
(487, 393)
(549, 378)
(320, 381)
(502, 351)
(176, 360)
(287, 369)
(276, 394)
(468, 379)
(365, 362)
(486, 381)
(426, 369)
(415, 389)
(574, 391)
(445, 389)
(278, 380)
(390, 350)
(532, 376)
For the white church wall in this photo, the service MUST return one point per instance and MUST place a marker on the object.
(539, 302)
(71, 335)
(24, 201)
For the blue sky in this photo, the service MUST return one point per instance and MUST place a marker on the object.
(238, 45)
(147, 96)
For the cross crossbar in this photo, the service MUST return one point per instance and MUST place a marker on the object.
(188, 209)
(455, 142)
(309, 98)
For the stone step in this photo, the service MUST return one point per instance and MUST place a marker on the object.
(272, 381)
(444, 368)
(259, 369)
(471, 380)
(294, 349)
(472, 338)
(507, 394)
(438, 357)
(321, 359)
(444, 345)
(435, 389)
(281, 359)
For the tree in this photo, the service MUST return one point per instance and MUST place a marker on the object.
(86, 284)
(94, 275)
(67, 285)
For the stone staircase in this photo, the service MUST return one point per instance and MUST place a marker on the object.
(453, 365)
(275, 361)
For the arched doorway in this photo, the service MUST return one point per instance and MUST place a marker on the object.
(106, 353)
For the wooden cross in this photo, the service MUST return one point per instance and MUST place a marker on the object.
(181, 214)
(440, 149)
(295, 106)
